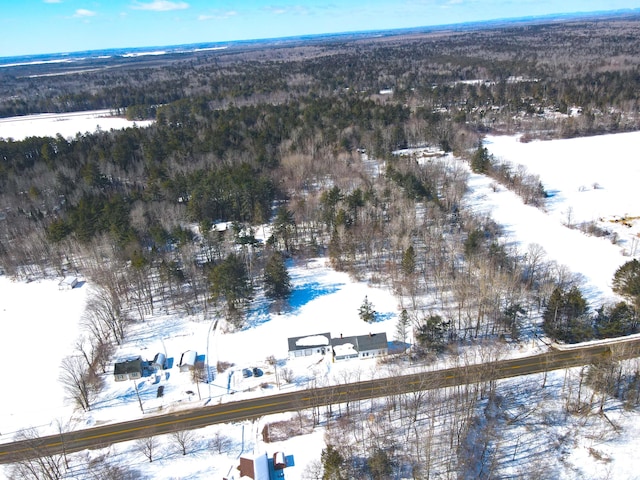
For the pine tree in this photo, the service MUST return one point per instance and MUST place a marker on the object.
(565, 316)
(277, 282)
(366, 311)
(229, 280)
(481, 160)
(332, 464)
(409, 261)
(402, 327)
(626, 282)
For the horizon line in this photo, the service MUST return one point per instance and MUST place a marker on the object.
(302, 36)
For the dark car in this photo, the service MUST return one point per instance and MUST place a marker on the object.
(246, 373)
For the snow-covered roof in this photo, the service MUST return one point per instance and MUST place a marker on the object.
(309, 341)
(312, 341)
(189, 358)
(345, 349)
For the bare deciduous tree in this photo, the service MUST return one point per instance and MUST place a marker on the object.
(220, 443)
(147, 446)
(37, 463)
(184, 439)
(79, 382)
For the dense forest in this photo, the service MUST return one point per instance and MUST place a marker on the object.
(295, 143)
(291, 136)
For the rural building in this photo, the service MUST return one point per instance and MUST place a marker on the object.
(188, 361)
(67, 283)
(360, 346)
(263, 467)
(159, 361)
(129, 369)
(343, 348)
(309, 345)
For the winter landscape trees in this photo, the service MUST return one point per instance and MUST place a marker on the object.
(312, 152)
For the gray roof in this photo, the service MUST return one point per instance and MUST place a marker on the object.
(129, 366)
(293, 346)
(363, 343)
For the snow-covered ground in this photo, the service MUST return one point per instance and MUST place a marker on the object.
(38, 327)
(39, 323)
(65, 124)
(588, 179)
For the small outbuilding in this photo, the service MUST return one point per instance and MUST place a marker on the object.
(159, 361)
(264, 467)
(188, 360)
(68, 283)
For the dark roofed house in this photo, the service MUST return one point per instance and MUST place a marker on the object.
(360, 346)
(309, 345)
(344, 348)
(129, 369)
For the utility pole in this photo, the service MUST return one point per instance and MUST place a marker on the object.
(138, 394)
(212, 326)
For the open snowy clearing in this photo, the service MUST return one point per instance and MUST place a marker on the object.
(65, 124)
(40, 322)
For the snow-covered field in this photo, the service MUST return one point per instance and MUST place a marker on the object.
(588, 179)
(65, 124)
(40, 323)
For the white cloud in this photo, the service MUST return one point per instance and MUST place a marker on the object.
(84, 13)
(276, 10)
(218, 15)
(52, 1)
(160, 6)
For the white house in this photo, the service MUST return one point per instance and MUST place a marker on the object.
(309, 345)
(360, 346)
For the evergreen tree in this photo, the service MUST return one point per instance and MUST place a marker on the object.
(431, 334)
(366, 311)
(277, 282)
(409, 261)
(284, 226)
(626, 282)
(229, 280)
(615, 321)
(565, 317)
(402, 327)
(380, 465)
(332, 464)
(481, 160)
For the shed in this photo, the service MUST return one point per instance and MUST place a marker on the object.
(188, 360)
(279, 461)
(68, 282)
(159, 361)
(256, 467)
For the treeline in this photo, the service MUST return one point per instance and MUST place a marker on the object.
(305, 144)
(482, 77)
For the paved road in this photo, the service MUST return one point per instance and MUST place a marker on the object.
(97, 437)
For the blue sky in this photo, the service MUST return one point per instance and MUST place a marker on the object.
(53, 26)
